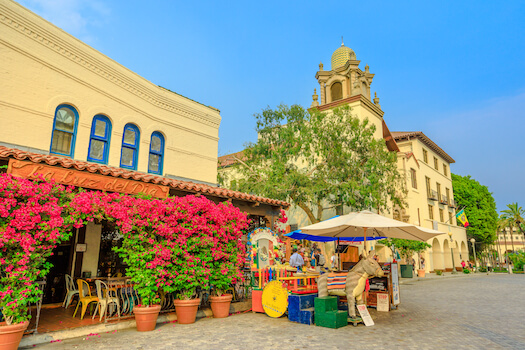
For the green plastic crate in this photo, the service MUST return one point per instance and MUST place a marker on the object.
(332, 319)
(325, 304)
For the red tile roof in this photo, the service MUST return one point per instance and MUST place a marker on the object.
(400, 136)
(230, 159)
(185, 186)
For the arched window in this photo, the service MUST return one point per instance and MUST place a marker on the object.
(64, 131)
(130, 147)
(156, 153)
(99, 140)
(336, 90)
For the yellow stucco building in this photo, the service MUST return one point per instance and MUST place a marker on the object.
(61, 96)
(71, 114)
(425, 166)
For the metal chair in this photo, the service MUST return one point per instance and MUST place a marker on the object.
(104, 299)
(85, 297)
(71, 291)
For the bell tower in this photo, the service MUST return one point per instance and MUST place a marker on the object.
(345, 79)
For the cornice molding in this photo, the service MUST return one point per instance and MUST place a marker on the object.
(78, 53)
(366, 102)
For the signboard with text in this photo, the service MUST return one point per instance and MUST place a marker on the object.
(395, 284)
(30, 170)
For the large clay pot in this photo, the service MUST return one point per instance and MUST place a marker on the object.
(186, 310)
(10, 336)
(420, 273)
(146, 317)
(221, 305)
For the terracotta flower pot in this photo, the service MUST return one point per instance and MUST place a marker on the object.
(420, 273)
(221, 305)
(146, 317)
(186, 310)
(10, 336)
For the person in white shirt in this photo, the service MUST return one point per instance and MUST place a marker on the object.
(296, 260)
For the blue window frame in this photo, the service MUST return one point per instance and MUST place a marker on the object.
(130, 147)
(156, 153)
(64, 131)
(99, 140)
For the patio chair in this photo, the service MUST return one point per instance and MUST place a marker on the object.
(71, 291)
(105, 299)
(85, 299)
(129, 298)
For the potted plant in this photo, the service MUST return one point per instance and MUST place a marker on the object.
(407, 248)
(229, 259)
(147, 252)
(32, 222)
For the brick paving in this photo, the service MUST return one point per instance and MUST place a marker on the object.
(474, 312)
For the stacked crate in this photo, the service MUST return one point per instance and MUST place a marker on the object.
(301, 308)
(327, 314)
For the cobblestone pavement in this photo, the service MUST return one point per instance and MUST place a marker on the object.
(474, 312)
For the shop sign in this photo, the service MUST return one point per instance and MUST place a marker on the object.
(30, 170)
(365, 316)
(395, 284)
(383, 302)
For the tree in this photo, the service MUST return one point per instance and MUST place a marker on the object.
(318, 161)
(514, 215)
(480, 209)
(406, 247)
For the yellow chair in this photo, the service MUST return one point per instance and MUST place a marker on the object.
(85, 297)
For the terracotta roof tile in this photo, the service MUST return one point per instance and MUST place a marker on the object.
(64, 162)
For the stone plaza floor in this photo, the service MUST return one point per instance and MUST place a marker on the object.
(471, 312)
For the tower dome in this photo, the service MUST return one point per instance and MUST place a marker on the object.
(342, 55)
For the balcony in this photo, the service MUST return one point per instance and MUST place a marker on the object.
(443, 199)
(452, 203)
(433, 195)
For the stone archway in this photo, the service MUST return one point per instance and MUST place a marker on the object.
(447, 255)
(437, 256)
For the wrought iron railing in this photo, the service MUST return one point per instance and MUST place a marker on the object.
(444, 199)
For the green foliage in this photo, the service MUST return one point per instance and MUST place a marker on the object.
(513, 217)
(406, 247)
(439, 272)
(315, 159)
(467, 271)
(518, 260)
(482, 269)
(480, 209)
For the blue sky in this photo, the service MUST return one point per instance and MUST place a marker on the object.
(452, 69)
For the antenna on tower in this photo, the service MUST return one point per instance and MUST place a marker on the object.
(342, 42)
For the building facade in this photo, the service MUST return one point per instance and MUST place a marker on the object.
(61, 96)
(430, 198)
(72, 115)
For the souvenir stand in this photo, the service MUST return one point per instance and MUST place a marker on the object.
(271, 280)
(384, 291)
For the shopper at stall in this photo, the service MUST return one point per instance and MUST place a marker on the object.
(296, 260)
(320, 258)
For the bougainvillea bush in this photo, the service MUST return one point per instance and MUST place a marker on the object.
(33, 220)
(172, 245)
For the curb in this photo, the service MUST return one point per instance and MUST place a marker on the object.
(41, 338)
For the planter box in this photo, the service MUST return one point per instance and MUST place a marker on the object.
(407, 271)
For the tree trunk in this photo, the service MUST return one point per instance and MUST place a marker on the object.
(308, 212)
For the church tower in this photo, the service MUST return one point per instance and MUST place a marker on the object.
(345, 79)
(347, 84)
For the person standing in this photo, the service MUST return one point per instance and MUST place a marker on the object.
(333, 261)
(296, 260)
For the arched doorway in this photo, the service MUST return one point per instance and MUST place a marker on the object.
(437, 256)
(447, 255)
